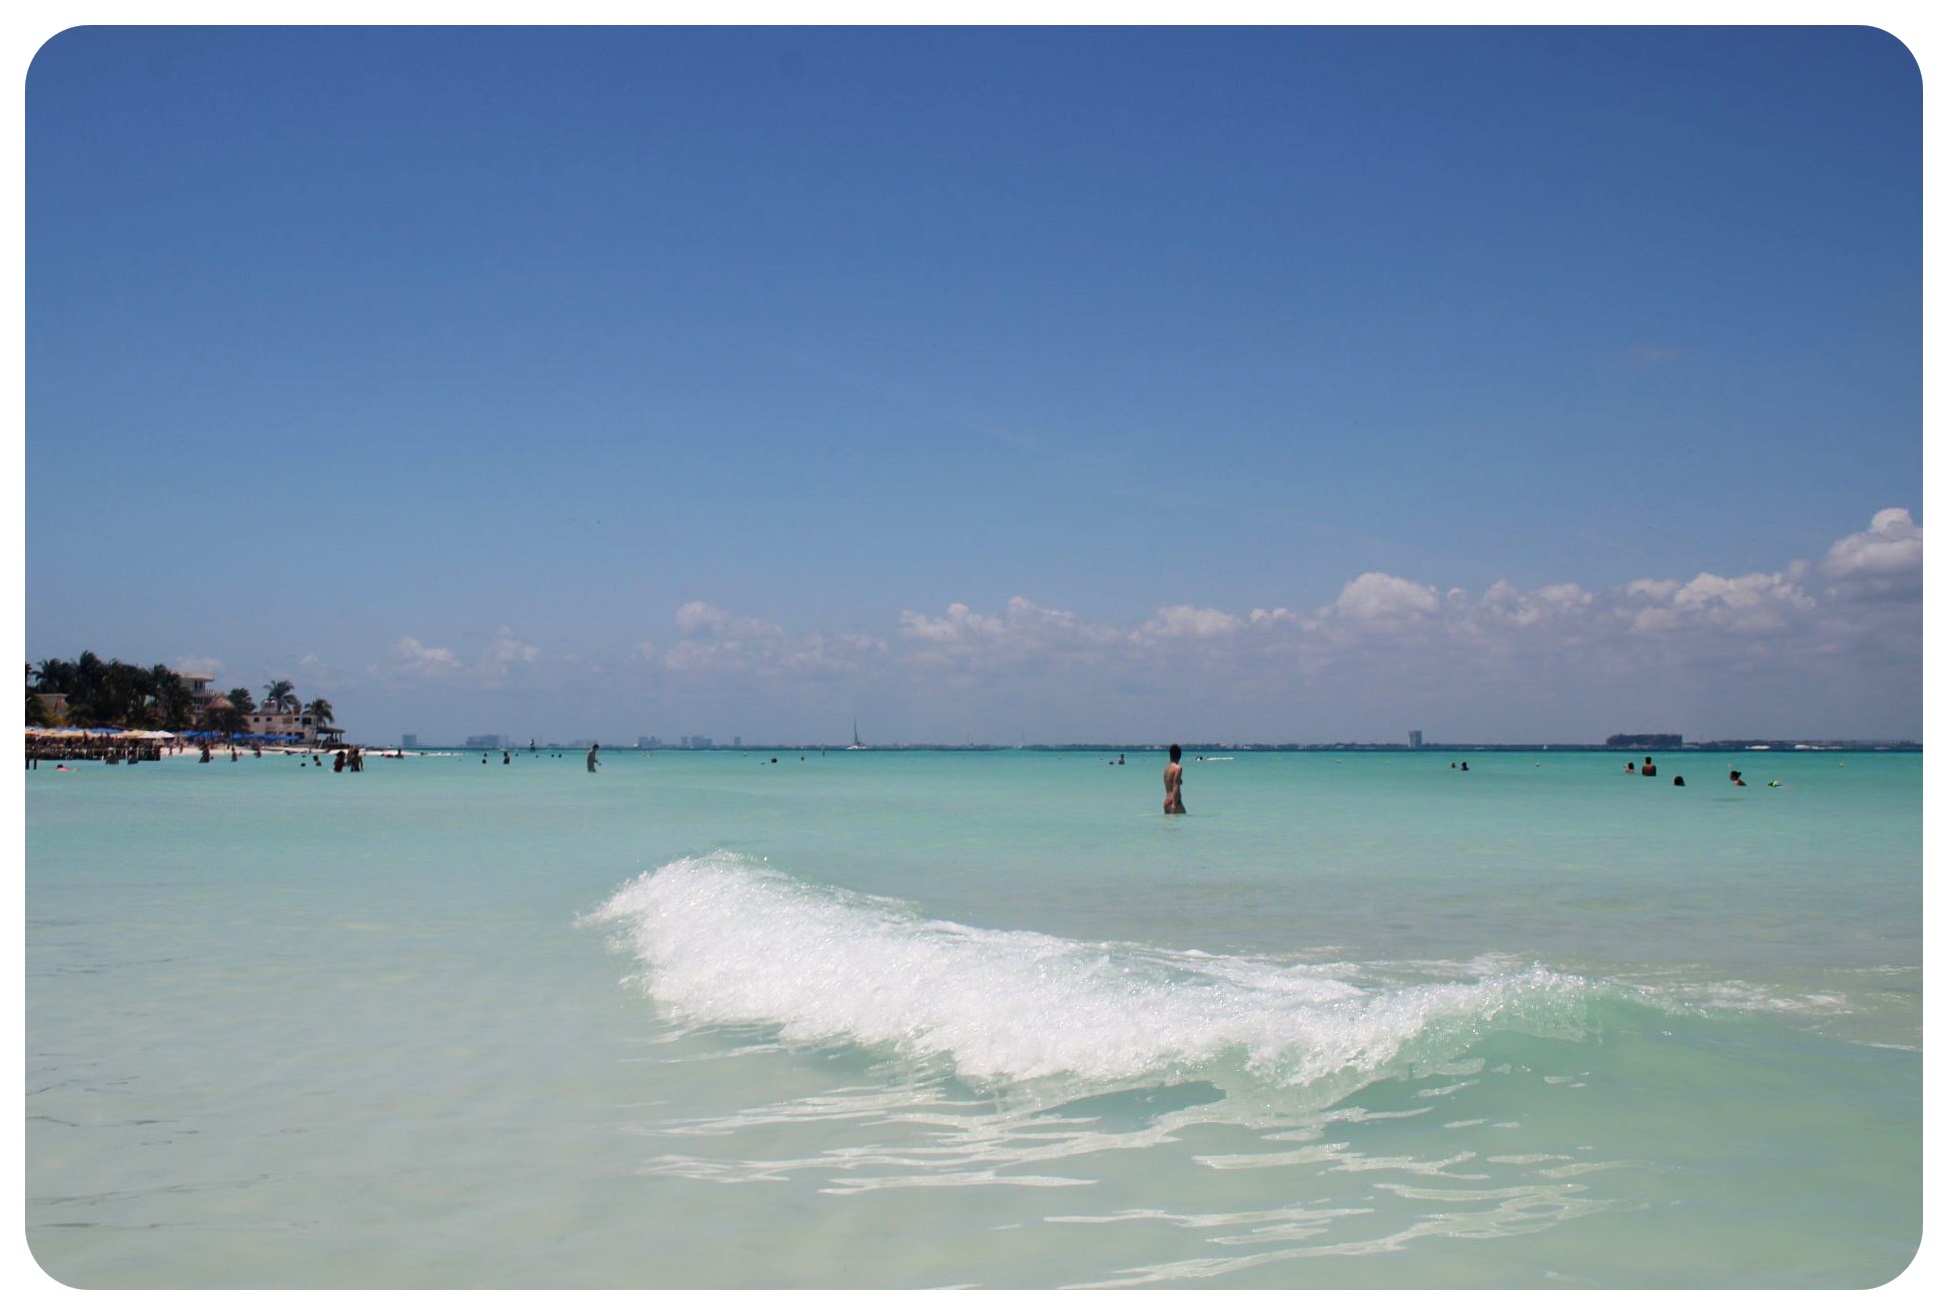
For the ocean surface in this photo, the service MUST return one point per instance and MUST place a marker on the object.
(979, 1019)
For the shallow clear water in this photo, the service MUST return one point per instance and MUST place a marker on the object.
(926, 1019)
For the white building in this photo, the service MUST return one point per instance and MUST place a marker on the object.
(200, 691)
(302, 727)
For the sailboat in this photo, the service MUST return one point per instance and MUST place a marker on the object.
(857, 743)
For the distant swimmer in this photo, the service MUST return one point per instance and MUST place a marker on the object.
(1630, 769)
(1173, 781)
(1650, 768)
(1464, 764)
(1677, 780)
(593, 762)
(1737, 779)
(505, 760)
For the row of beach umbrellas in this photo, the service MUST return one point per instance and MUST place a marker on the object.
(111, 732)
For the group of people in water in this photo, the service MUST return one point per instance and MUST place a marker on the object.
(1650, 769)
(1173, 777)
(349, 759)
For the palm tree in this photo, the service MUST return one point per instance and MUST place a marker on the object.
(173, 705)
(319, 709)
(279, 695)
(54, 676)
(224, 715)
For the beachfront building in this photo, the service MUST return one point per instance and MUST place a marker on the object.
(201, 690)
(1413, 739)
(301, 727)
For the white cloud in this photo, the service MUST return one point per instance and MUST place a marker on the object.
(1385, 601)
(715, 623)
(1025, 631)
(504, 649)
(1710, 651)
(1393, 640)
(1891, 547)
(412, 658)
(1184, 622)
(715, 640)
(413, 661)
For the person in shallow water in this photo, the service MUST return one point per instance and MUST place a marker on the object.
(593, 761)
(1173, 781)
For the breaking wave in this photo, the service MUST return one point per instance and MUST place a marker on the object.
(725, 940)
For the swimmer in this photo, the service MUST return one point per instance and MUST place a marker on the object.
(593, 761)
(1173, 781)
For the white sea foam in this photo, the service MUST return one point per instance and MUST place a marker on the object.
(724, 940)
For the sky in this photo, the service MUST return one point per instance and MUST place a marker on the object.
(986, 385)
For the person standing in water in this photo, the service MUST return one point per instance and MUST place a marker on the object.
(592, 763)
(1173, 781)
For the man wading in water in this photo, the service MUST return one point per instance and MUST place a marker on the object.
(1173, 781)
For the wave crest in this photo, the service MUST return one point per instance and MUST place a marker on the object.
(725, 940)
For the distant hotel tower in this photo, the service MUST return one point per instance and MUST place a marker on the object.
(1413, 739)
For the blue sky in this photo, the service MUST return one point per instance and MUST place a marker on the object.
(1274, 384)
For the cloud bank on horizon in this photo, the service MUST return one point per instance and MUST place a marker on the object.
(1830, 646)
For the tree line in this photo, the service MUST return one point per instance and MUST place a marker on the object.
(128, 697)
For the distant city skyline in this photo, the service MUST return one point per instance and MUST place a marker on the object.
(1116, 385)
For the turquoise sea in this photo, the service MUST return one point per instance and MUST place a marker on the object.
(984, 1019)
